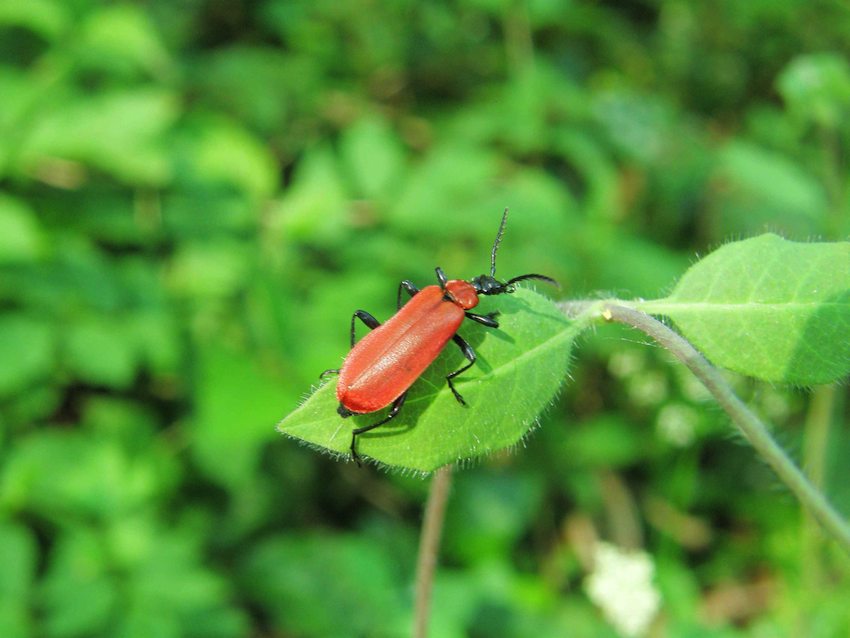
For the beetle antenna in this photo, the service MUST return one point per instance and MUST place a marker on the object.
(497, 242)
(548, 280)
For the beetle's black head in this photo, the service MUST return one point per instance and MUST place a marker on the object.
(488, 284)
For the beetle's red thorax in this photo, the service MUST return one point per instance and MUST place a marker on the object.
(462, 293)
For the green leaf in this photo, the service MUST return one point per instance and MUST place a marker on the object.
(618, 260)
(18, 555)
(454, 176)
(764, 188)
(373, 157)
(98, 350)
(169, 589)
(236, 400)
(48, 19)
(489, 512)
(299, 578)
(123, 37)
(256, 83)
(27, 346)
(119, 132)
(314, 206)
(222, 152)
(66, 475)
(769, 308)
(519, 369)
(21, 236)
(210, 269)
(77, 595)
(817, 88)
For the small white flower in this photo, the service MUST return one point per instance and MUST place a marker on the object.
(775, 404)
(621, 585)
(691, 387)
(648, 388)
(626, 363)
(676, 424)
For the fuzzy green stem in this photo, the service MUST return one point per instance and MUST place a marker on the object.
(429, 546)
(753, 429)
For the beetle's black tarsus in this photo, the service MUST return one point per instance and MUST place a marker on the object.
(409, 287)
(394, 410)
(366, 318)
(488, 320)
(469, 353)
(329, 371)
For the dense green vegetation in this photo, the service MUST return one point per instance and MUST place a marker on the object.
(194, 197)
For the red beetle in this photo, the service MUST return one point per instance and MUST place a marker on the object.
(383, 365)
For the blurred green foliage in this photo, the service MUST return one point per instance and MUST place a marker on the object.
(195, 197)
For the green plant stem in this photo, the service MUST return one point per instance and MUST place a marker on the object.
(429, 546)
(815, 448)
(753, 429)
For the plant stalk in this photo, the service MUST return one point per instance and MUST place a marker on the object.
(753, 429)
(429, 547)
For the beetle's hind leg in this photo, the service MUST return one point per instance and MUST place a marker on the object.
(469, 353)
(394, 410)
(409, 287)
(366, 318)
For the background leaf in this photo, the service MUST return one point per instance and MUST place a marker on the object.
(30, 344)
(519, 369)
(21, 238)
(18, 555)
(817, 88)
(354, 578)
(769, 308)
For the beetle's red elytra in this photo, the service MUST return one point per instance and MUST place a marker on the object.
(389, 359)
(382, 366)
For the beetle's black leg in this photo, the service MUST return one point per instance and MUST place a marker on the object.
(394, 410)
(469, 353)
(408, 286)
(441, 277)
(366, 318)
(488, 320)
(329, 371)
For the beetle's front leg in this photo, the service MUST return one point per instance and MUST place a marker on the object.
(488, 320)
(469, 353)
